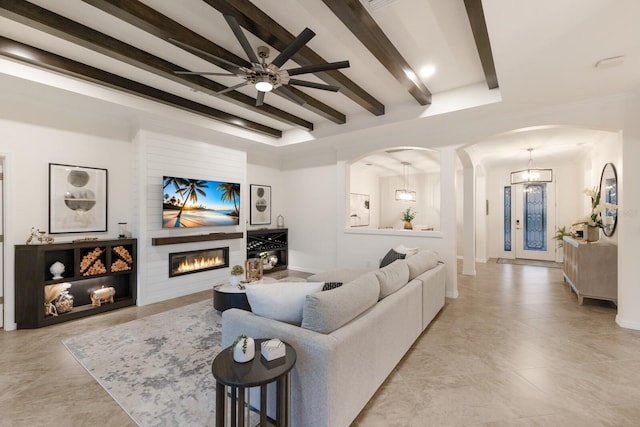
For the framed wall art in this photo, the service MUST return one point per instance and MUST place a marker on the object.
(77, 199)
(359, 210)
(260, 200)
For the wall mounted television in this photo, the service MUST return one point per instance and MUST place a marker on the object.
(188, 203)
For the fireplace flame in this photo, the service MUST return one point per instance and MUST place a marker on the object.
(199, 263)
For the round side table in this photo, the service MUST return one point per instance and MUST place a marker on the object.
(226, 296)
(257, 372)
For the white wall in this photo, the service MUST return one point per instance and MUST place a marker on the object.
(312, 213)
(267, 175)
(159, 155)
(28, 150)
(426, 206)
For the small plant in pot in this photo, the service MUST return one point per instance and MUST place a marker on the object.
(243, 349)
(407, 217)
(236, 272)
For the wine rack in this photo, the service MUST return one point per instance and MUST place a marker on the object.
(273, 241)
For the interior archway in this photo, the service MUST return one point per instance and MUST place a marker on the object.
(376, 184)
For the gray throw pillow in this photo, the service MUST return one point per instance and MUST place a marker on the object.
(325, 312)
(391, 256)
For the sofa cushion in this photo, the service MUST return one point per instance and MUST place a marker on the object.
(282, 300)
(392, 277)
(390, 257)
(421, 262)
(343, 275)
(325, 312)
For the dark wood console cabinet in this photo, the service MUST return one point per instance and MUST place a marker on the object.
(275, 241)
(89, 265)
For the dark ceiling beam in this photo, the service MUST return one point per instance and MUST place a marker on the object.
(356, 18)
(52, 23)
(40, 58)
(153, 22)
(262, 26)
(475, 12)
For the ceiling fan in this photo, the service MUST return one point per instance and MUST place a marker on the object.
(266, 77)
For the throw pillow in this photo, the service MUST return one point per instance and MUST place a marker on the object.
(392, 277)
(281, 301)
(390, 257)
(325, 312)
(421, 262)
(331, 285)
(409, 252)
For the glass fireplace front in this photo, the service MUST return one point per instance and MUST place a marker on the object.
(181, 263)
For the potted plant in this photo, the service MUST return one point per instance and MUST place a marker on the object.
(560, 233)
(236, 271)
(243, 349)
(407, 217)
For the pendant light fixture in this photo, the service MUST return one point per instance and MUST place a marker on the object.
(531, 174)
(404, 193)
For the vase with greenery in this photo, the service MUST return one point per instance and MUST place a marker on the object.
(594, 222)
(407, 216)
(243, 349)
(236, 271)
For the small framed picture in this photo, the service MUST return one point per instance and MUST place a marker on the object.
(359, 210)
(77, 199)
(260, 212)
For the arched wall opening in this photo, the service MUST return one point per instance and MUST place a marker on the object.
(378, 184)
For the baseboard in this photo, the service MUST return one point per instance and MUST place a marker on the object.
(627, 325)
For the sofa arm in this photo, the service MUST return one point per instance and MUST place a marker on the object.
(310, 377)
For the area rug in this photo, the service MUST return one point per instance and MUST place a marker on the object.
(531, 262)
(158, 368)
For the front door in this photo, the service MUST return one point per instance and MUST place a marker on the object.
(534, 219)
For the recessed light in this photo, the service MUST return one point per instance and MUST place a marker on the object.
(427, 71)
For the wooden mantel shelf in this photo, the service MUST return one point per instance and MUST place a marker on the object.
(174, 240)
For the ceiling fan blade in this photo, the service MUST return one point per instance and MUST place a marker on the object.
(302, 39)
(288, 93)
(314, 85)
(230, 88)
(205, 73)
(222, 63)
(237, 31)
(319, 67)
(260, 98)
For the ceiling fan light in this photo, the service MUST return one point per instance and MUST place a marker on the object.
(264, 85)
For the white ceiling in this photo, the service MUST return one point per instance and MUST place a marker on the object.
(544, 51)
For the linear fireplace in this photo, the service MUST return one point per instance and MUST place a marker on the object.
(181, 263)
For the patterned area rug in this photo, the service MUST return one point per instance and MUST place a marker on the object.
(157, 368)
(531, 262)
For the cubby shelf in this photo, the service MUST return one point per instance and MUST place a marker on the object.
(32, 275)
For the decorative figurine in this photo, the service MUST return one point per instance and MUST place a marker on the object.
(57, 268)
(102, 295)
(40, 236)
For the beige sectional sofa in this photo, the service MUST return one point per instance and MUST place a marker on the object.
(351, 337)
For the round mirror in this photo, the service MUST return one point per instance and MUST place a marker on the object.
(609, 195)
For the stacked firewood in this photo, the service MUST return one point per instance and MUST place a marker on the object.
(90, 265)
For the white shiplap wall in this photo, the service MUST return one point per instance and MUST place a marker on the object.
(159, 155)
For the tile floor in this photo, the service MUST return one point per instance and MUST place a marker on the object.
(515, 349)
